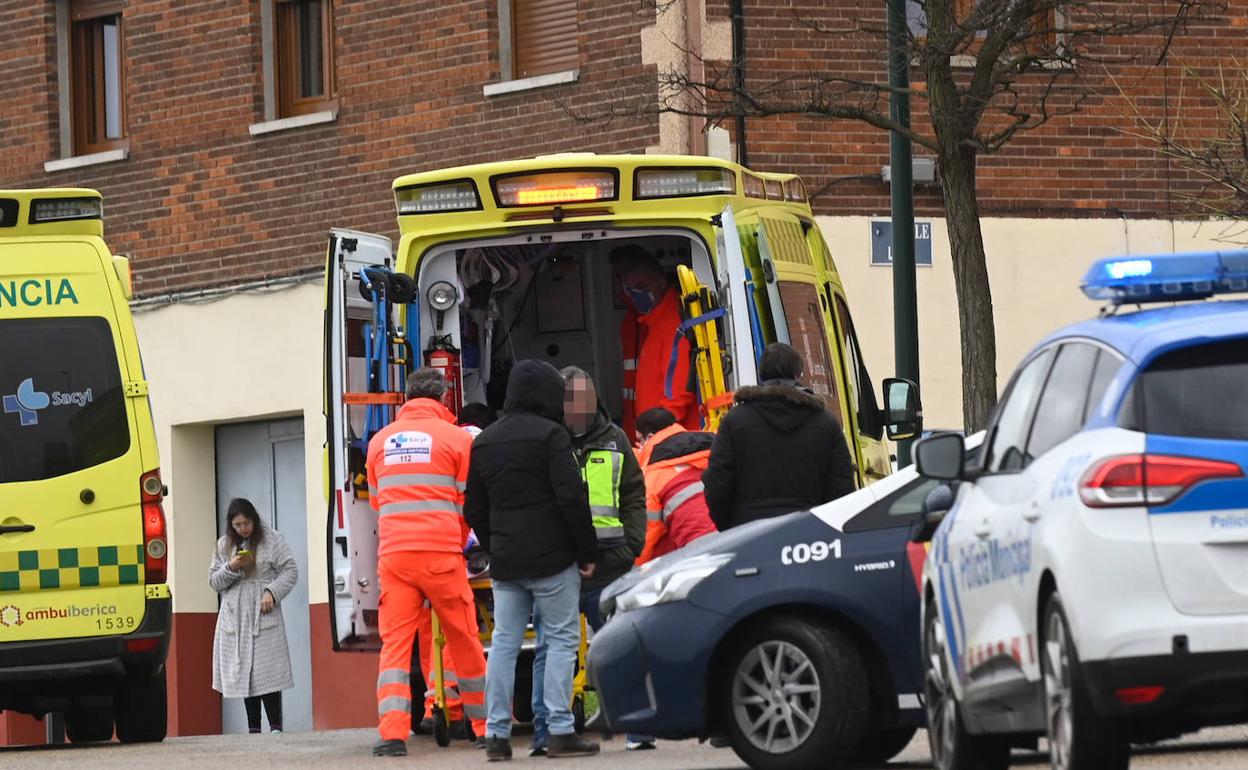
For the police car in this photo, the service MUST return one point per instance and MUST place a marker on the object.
(796, 638)
(1090, 582)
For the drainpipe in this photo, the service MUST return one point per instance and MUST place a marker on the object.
(738, 72)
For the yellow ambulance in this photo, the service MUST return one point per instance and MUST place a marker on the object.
(504, 261)
(84, 603)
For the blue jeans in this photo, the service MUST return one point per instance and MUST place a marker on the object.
(593, 616)
(552, 601)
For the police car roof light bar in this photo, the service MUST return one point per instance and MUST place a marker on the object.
(1167, 277)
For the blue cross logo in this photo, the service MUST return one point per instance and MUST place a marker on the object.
(26, 402)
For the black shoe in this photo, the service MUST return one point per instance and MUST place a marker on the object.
(571, 745)
(460, 731)
(390, 748)
(497, 749)
(719, 742)
(424, 728)
(479, 743)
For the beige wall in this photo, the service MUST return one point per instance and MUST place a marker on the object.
(244, 357)
(1035, 267)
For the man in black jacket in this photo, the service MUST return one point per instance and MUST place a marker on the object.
(778, 450)
(529, 507)
(617, 498)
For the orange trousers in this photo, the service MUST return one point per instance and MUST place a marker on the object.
(408, 579)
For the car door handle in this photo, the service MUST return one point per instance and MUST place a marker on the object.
(6, 529)
(1032, 513)
(983, 530)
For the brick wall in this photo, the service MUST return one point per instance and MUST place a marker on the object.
(200, 202)
(1083, 164)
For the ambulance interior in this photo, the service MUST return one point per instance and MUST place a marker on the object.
(553, 297)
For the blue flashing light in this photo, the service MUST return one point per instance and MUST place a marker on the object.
(1167, 277)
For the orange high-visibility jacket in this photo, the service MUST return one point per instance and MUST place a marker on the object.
(647, 341)
(659, 474)
(417, 471)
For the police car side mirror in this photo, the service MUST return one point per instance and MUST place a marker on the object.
(903, 414)
(942, 456)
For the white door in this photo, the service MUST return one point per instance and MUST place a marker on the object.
(264, 462)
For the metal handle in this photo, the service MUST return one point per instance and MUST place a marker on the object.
(1032, 513)
(983, 530)
(6, 529)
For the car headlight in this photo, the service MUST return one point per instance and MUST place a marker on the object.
(672, 583)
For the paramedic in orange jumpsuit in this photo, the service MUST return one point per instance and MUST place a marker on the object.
(417, 471)
(647, 335)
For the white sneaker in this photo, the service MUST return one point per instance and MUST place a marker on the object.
(275, 732)
(639, 745)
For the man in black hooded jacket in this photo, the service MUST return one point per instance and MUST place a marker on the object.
(527, 503)
(778, 450)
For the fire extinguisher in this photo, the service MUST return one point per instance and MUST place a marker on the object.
(444, 356)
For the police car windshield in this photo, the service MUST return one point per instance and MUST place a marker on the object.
(62, 408)
(1197, 392)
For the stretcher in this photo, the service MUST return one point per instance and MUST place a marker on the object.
(483, 594)
(700, 314)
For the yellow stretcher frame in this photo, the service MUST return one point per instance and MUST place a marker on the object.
(708, 355)
(441, 721)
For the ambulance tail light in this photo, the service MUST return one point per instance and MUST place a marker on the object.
(683, 183)
(65, 209)
(438, 198)
(155, 534)
(1151, 480)
(551, 188)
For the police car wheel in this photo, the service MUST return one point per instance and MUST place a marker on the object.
(1078, 738)
(89, 725)
(953, 748)
(140, 708)
(797, 696)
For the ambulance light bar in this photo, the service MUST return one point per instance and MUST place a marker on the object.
(554, 187)
(8, 212)
(754, 187)
(1167, 277)
(65, 209)
(795, 191)
(438, 198)
(683, 183)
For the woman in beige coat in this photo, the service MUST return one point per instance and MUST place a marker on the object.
(253, 571)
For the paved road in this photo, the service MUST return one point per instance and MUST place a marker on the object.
(1225, 749)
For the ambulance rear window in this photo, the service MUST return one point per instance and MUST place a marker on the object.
(62, 408)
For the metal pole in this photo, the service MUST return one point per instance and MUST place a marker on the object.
(737, 12)
(905, 300)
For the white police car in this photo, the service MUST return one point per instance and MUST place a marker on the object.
(1090, 582)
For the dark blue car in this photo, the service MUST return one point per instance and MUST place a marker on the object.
(797, 637)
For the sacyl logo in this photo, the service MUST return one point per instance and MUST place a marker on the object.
(10, 616)
(27, 402)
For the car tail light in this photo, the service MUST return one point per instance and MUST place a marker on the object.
(155, 537)
(143, 645)
(1138, 696)
(1149, 479)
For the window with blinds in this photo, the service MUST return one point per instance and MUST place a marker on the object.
(544, 37)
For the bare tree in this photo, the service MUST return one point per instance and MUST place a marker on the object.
(984, 72)
(1218, 157)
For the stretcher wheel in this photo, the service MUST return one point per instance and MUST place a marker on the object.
(402, 288)
(441, 730)
(578, 713)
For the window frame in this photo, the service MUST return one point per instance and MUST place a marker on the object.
(83, 19)
(866, 409)
(285, 44)
(510, 46)
(1063, 349)
(986, 452)
(962, 10)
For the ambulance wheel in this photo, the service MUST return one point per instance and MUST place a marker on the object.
(402, 289)
(441, 730)
(953, 748)
(578, 714)
(879, 746)
(796, 696)
(140, 708)
(1078, 738)
(89, 725)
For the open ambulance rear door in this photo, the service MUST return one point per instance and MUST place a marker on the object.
(352, 525)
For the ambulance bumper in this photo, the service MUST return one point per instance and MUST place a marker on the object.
(142, 651)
